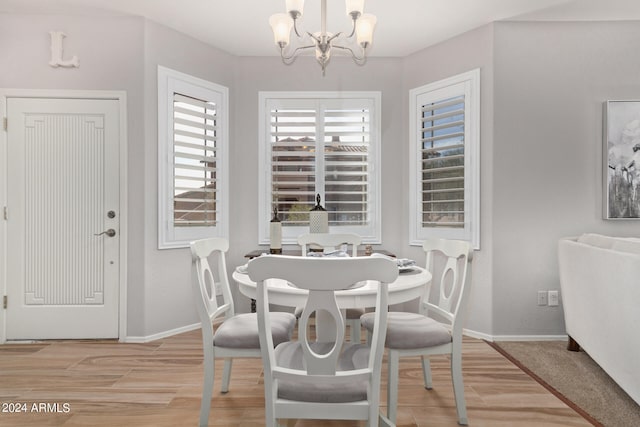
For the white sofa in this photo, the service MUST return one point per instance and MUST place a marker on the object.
(600, 284)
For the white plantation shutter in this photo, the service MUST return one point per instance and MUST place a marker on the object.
(321, 145)
(293, 163)
(445, 187)
(346, 166)
(442, 156)
(193, 147)
(195, 162)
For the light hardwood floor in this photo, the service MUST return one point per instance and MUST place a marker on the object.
(104, 383)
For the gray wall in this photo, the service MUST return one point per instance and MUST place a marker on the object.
(471, 50)
(542, 90)
(110, 51)
(168, 299)
(269, 74)
(550, 82)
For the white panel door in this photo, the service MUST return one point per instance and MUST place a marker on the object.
(63, 218)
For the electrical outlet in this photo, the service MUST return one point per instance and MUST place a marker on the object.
(553, 298)
(542, 297)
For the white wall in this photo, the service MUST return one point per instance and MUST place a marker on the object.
(119, 53)
(542, 88)
(550, 82)
(460, 54)
(169, 301)
(110, 52)
(269, 74)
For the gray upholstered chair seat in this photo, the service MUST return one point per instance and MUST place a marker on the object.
(410, 330)
(240, 331)
(353, 356)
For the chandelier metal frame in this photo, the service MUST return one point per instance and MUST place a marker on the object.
(360, 37)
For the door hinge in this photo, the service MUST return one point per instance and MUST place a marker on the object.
(5, 123)
(4, 302)
(6, 213)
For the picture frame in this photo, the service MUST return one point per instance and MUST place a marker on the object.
(621, 160)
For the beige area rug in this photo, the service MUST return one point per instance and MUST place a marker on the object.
(576, 379)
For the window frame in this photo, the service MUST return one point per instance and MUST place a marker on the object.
(371, 233)
(467, 84)
(170, 82)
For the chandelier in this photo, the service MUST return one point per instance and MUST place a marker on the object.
(323, 42)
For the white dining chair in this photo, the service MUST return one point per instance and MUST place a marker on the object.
(329, 241)
(307, 379)
(237, 334)
(420, 334)
(334, 242)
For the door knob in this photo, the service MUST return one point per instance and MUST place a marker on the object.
(110, 232)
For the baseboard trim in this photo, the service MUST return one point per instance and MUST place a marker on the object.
(160, 335)
(478, 335)
(529, 337)
(467, 332)
(492, 338)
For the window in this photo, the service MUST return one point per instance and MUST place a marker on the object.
(444, 168)
(193, 144)
(322, 143)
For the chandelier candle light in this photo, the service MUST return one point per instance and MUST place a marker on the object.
(356, 43)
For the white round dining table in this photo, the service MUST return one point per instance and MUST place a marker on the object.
(408, 286)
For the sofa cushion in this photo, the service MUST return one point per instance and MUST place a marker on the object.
(627, 245)
(598, 240)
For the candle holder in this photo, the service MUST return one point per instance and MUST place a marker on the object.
(318, 222)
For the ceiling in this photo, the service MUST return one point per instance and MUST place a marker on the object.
(241, 27)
